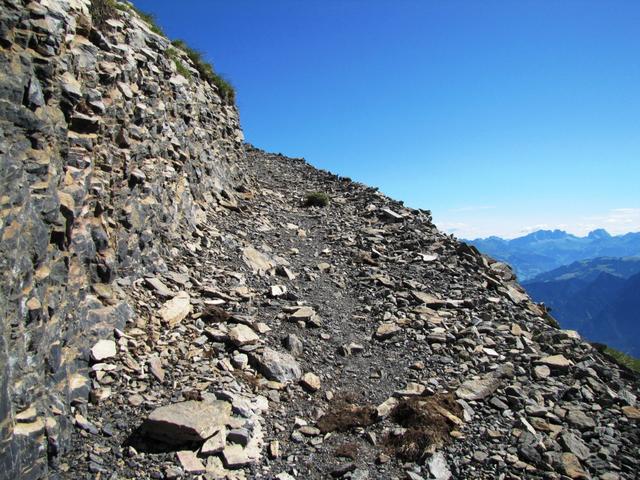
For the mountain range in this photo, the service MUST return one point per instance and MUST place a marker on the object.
(599, 297)
(546, 250)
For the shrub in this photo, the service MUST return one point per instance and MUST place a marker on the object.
(316, 199)
(205, 69)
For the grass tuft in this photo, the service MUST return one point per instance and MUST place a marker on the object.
(623, 359)
(149, 19)
(316, 199)
(182, 69)
(101, 11)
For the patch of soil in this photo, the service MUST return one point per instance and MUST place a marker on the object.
(344, 415)
(429, 421)
(214, 314)
(347, 450)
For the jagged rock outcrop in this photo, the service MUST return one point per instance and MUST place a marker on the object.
(159, 321)
(106, 155)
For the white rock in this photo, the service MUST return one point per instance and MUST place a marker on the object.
(103, 349)
(438, 467)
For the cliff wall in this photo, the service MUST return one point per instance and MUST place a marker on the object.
(106, 155)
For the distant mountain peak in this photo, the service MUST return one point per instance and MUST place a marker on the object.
(547, 235)
(598, 233)
(545, 250)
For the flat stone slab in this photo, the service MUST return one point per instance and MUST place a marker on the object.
(236, 456)
(190, 421)
(190, 462)
(303, 313)
(478, 389)
(242, 335)
(216, 443)
(556, 361)
(387, 330)
(103, 349)
(176, 309)
(438, 467)
(257, 261)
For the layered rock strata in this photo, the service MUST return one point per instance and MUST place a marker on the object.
(106, 154)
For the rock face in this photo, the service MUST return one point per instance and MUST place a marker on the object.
(106, 154)
(145, 282)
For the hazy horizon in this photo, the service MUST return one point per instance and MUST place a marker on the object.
(616, 222)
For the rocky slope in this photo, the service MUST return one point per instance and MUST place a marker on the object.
(106, 154)
(351, 341)
(257, 337)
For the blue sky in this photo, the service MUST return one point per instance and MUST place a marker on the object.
(499, 116)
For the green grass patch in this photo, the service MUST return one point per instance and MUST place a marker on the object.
(103, 10)
(206, 71)
(149, 19)
(316, 199)
(182, 69)
(623, 359)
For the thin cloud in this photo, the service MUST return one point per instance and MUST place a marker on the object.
(472, 208)
(616, 221)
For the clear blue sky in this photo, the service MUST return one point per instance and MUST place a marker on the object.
(499, 116)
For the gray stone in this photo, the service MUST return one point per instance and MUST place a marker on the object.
(159, 287)
(278, 366)
(574, 445)
(294, 344)
(580, 420)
